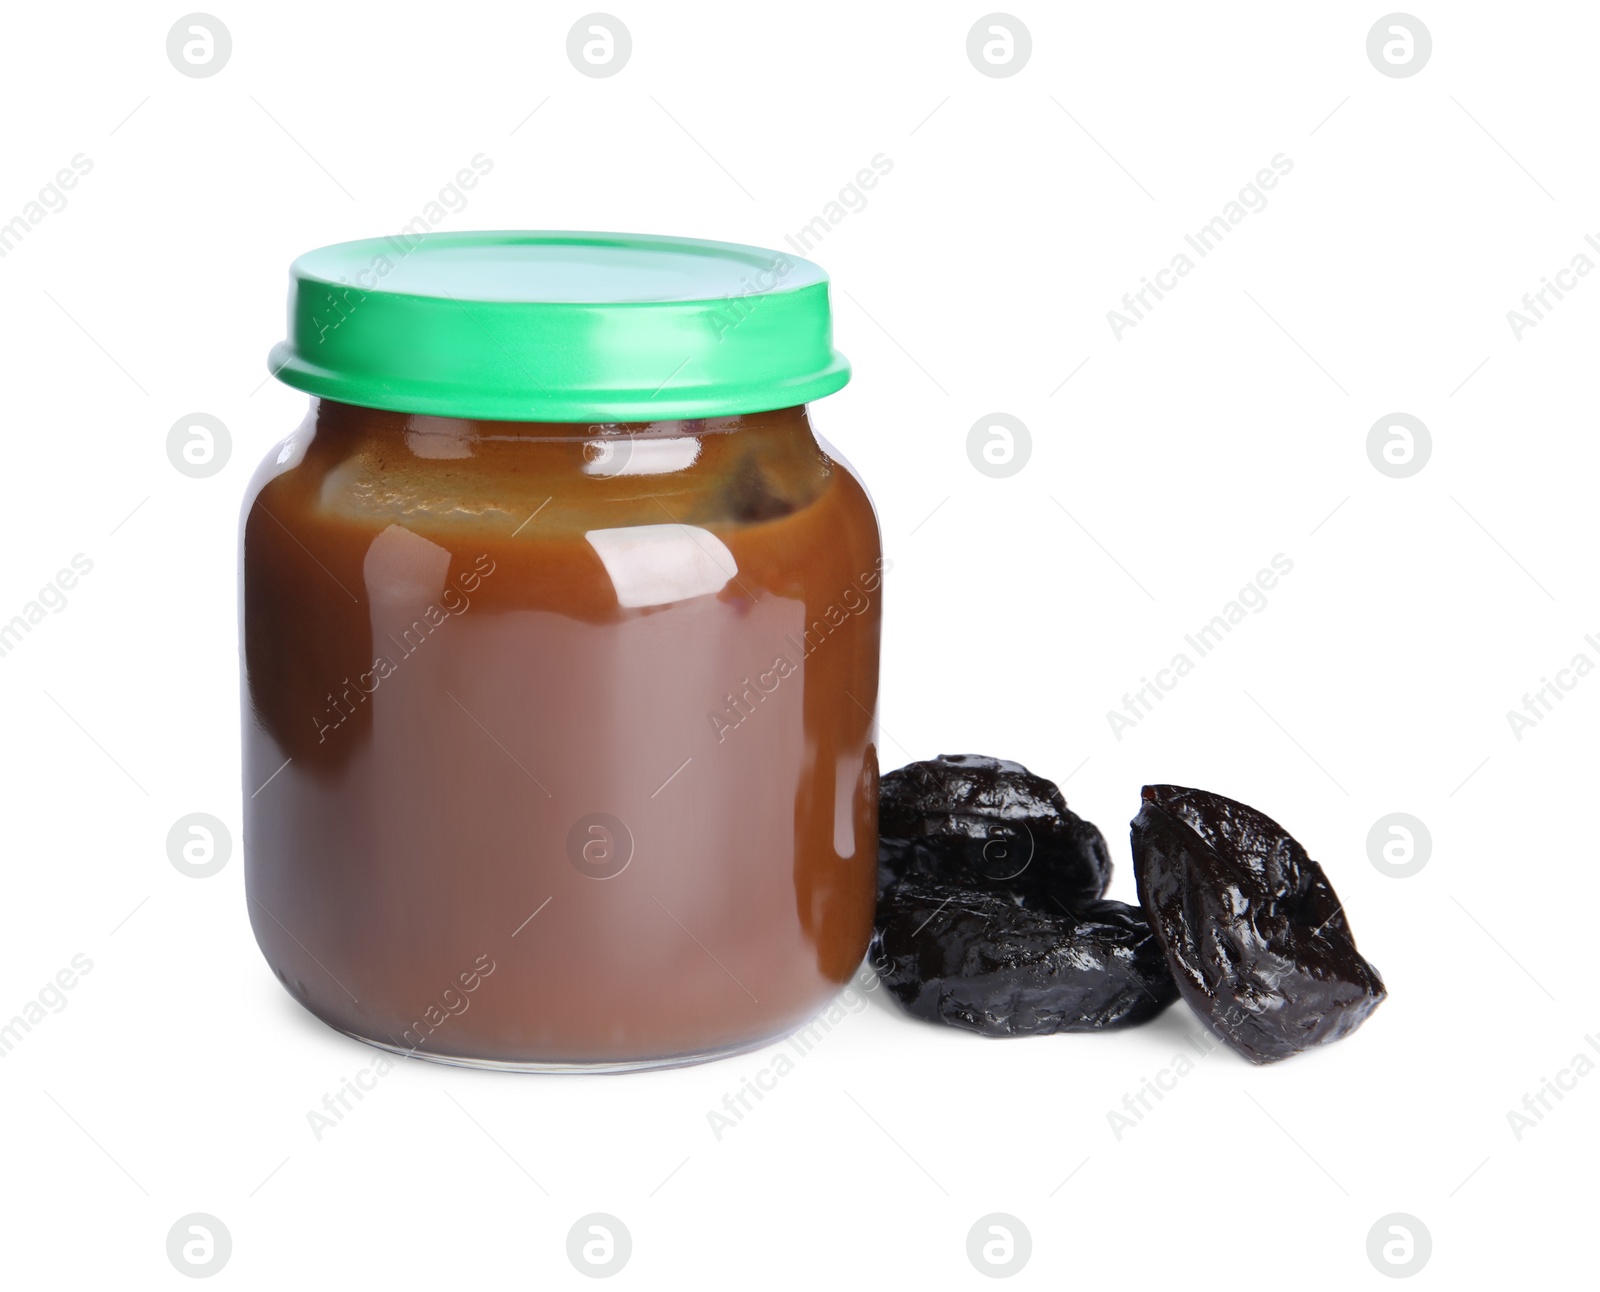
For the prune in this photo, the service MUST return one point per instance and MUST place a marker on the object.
(1255, 934)
(989, 824)
(974, 958)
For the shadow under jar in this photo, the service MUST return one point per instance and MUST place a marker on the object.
(559, 730)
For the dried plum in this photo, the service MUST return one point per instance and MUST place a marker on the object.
(1253, 931)
(989, 824)
(974, 958)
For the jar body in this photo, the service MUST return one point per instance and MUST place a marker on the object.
(558, 740)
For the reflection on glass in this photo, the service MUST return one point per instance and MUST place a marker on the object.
(651, 565)
(639, 457)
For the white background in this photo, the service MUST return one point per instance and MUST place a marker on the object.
(1227, 426)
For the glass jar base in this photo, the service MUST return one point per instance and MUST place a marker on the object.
(597, 1068)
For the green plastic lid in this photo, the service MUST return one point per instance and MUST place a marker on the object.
(559, 327)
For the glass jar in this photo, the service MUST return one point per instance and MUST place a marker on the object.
(559, 728)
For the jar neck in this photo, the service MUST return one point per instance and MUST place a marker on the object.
(332, 417)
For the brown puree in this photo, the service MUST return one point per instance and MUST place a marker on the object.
(465, 639)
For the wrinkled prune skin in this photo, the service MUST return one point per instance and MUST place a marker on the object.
(976, 959)
(1253, 931)
(992, 825)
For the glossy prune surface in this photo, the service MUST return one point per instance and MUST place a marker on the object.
(1255, 935)
(991, 825)
(976, 959)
